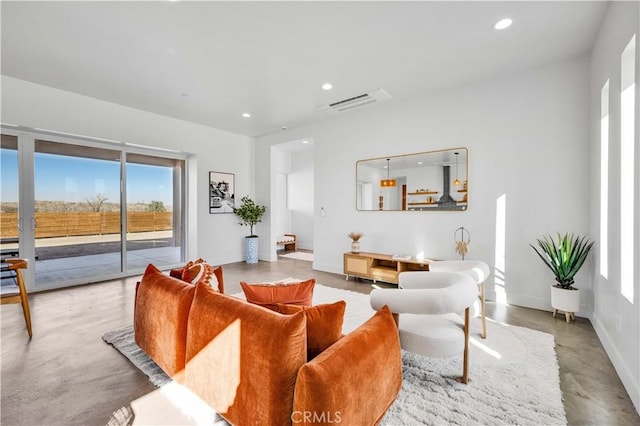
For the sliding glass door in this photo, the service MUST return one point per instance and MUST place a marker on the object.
(77, 212)
(89, 211)
(154, 210)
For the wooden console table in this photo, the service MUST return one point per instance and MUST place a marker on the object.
(380, 267)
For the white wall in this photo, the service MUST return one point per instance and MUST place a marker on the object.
(217, 238)
(615, 319)
(291, 206)
(279, 219)
(528, 138)
(301, 198)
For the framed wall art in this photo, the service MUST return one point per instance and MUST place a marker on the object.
(221, 192)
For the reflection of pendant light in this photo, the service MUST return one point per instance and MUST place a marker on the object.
(388, 182)
(457, 181)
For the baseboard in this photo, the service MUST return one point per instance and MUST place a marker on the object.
(536, 303)
(324, 267)
(630, 383)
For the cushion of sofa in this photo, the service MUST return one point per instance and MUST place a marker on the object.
(162, 307)
(243, 359)
(324, 324)
(270, 294)
(357, 378)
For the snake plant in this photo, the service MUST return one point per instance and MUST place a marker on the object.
(564, 257)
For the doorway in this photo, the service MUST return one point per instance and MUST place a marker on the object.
(292, 193)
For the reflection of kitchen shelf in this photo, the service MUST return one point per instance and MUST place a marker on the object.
(422, 204)
(422, 193)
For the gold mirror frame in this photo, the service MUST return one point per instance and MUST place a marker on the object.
(421, 182)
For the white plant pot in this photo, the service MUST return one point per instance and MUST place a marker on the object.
(251, 249)
(567, 301)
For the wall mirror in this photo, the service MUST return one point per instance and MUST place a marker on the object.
(425, 181)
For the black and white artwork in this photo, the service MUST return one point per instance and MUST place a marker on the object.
(221, 192)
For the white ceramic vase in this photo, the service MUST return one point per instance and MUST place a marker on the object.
(565, 300)
(251, 253)
(355, 246)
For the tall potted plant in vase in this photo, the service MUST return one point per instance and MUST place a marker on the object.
(250, 214)
(564, 257)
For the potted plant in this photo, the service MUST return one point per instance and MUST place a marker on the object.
(564, 257)
(250, 213)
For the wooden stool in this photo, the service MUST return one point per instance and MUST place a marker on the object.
(17, 265)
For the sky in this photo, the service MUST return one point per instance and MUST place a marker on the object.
(75, 179)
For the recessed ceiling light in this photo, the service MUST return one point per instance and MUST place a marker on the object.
(419, 162)
(284, 127)
(246, 115)
(305, 141)
(502, 24)
(327, 86)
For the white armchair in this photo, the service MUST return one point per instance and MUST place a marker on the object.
(426, 308)
(477, 270)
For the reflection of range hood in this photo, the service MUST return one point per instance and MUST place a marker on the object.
(446, 199)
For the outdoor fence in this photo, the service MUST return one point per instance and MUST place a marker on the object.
(82, 223)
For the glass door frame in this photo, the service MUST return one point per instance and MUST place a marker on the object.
(26, 195)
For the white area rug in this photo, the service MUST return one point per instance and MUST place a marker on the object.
(513, 374)
(299, 255)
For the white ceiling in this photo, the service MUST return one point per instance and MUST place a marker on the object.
(271, 58)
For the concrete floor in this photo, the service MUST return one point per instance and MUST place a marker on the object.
(66, 375)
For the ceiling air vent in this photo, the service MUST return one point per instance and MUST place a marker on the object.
(377, 95)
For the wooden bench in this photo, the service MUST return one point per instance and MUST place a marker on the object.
(288, 240)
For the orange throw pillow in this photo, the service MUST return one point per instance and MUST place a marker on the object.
(268, 295)
(324, 324)
(243, 359)
(198, 271)
(359, 376)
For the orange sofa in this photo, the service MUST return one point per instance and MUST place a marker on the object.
(250, 363)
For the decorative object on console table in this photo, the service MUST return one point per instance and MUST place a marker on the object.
(564, 258)
(355, 241)
(221, 192)
(251, 214)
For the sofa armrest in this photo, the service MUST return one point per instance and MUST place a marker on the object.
(354, 381)
(161, 310)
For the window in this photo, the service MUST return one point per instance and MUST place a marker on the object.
(627, 168)
(604, 180)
